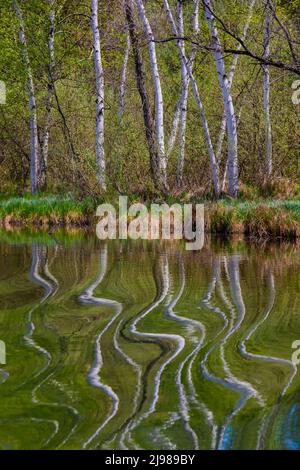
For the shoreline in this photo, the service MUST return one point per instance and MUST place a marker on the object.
(261, 219)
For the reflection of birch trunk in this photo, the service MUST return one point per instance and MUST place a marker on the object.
(100, 155)
(266, 87)
(123, 80)
(159, 104)
(45, 140)
(245, 388)
(213, 161)
(88, 297)
(228, 101)
(34, 141)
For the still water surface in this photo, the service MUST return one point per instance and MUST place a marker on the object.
(147, 346)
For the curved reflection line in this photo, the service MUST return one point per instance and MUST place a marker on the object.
(50, 291)
(87, 297)
(254, 329)
(138, 370)
(184, 405)
(265, 358)
(177, 338)
(230, 381)
(28, 337)
(245, 389)
(215, 278)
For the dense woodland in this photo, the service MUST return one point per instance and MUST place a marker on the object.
(147, 96)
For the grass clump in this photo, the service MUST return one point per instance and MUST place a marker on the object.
(222, 219)
(45, 210)
(280, 188)
(271, 222)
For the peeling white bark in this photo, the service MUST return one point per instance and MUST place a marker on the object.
(123, 79)
(185, 80)
(266, 87)
(191, 60)
(184, 100)
(174, 128)
(231, 77)
(228, 102)
(51, 66)
(100, 154)
(213, 161)
(34, 142)
(159, 104)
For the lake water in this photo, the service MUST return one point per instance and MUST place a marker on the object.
(146, 346)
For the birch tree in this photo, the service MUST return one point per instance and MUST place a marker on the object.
(100, 154)
(159, 104)
(50, 95)
(140, 74)
(227, 98)
(191, 59)
(123, 79)
(266, 88)
(213, 161)
(230, 79)
(34, 141)
(185, 80)
(184, 101)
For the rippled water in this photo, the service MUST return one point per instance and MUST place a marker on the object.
(147, 346)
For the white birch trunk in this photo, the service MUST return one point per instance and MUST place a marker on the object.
(213, 162)
(228, 102)
(226, 166)
(231, 77)
(100, 154)
(34, 141)
(266, 87)
(174, 128)
(184, 101)
(191, 59)
(123, 80)
(51, 66)
(159, 105)
(185, 85)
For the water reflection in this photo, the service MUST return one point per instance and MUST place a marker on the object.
(141, 345)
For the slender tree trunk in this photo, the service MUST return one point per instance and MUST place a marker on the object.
(228, 102)
(123, 79)
(266, 87)
(224, 180)
(34, 141)
(213, 161)
(145, 100)
(174, 128)
(231, 77)
(100, 155)
(159, 104)
(191, 59)
(185, 85)
(50, 95)
(184, 101)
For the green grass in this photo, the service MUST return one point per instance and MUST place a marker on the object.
(57, 209)
(270, 218)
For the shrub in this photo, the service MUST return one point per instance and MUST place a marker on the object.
(280, 188)
(221, 219)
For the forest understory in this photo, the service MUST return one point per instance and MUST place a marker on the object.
(193, 101)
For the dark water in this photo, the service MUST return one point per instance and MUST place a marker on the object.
(147, 346)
